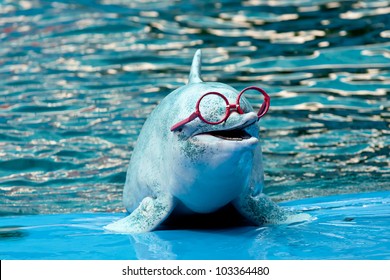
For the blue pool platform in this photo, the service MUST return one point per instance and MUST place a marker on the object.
(352, 226)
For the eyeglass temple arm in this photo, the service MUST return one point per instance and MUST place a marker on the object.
(265, 106)
(193, 116)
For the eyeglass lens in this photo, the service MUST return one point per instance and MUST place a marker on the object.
(251, 94)
(212, 108)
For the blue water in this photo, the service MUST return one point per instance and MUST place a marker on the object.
(79, 78)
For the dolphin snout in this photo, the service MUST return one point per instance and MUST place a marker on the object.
(245, 120)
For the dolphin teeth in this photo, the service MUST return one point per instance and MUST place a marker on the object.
(231, 135)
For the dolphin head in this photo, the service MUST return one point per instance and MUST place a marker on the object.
(238, 132)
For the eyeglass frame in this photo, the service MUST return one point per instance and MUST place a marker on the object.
(229, 107)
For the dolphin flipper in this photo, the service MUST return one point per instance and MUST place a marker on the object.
(146, 217)
(260, 209)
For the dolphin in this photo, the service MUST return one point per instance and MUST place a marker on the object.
(197, 167)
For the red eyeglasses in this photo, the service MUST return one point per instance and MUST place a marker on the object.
(214, 108)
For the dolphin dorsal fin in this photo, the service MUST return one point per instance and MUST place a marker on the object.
(195, 68)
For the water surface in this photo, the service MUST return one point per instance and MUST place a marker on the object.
(79, 78)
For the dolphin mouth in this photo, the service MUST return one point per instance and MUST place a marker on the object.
(230, 135)
(238, 133)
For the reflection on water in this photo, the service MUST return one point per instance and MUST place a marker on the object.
(79, 78)
(10, 233)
